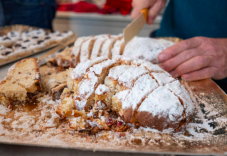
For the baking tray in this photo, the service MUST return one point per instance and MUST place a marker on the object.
(211, 111)
(21, 28)
(206, 93)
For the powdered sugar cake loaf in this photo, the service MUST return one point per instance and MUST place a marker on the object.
(112, 46)
(146, 48)
(139, 92)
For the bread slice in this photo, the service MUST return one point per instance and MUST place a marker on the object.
(84, 97)
(161, 110)
(54, 83)
(11, 90)
(26, 74)
(118, 48)
(96, 51)
(79, 72)
(86, 49)
(107, 47)
(63, 58)
(77, 49)
(142, 87)
(23, 77)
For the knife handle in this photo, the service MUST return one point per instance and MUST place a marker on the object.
(145, 13)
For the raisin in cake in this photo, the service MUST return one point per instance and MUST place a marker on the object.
(23, 77)
(139, 92)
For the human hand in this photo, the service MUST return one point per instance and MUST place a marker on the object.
(196, 58)
(155, 6)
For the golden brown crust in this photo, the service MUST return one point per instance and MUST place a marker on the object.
(158, 122)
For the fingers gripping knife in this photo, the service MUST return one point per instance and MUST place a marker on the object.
(134, 28)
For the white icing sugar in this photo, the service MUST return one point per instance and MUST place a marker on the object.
(122, 94)
(143, 86)
(107, 46)
(102, 89)
(127, 78)
(3, 110)
(163, 78)
(119, 44)
(98, 46)
(86, 88)
(117, 71)
(77, 45)
(146, 48)
(82, 67)
(180, 91)
(98, 68)
(162, 102)
(86, 49)
(152, 67)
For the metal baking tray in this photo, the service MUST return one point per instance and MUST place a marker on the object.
(21, 28)
(211, 105)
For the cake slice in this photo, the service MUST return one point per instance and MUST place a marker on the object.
(118, 48)
(162, 78)
(26, 74)
(79, 72)
(54, 83)
(96, 51)
(23, 77)
(10, 90)
(127, 79)
(77, 49)
(86, 49)
(103, 98)
(84, 97)
(142, 87)
(114, 74)
(161, 110)
(107, 46)
(63, 58)
(180, 91)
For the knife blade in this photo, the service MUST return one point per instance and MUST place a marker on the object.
(135, 26)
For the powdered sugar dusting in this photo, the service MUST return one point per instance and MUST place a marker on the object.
(86, 88)
(115, 72)
(146, 48)
(86, 49)
(127, 78)
(143, 86)
(77, 45)
(102, 89)
(118, 46)
(98, 68)
(81, 68)
(98, 46)
(180, 91)
(163, 102)
(163, 78)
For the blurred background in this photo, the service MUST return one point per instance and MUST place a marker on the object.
(93, 17)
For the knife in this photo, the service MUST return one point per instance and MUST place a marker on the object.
(135, 26)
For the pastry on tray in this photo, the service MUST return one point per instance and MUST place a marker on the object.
(139, 92)
(23, 78)
(87, 100)
(24, 43)
(111, 46)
